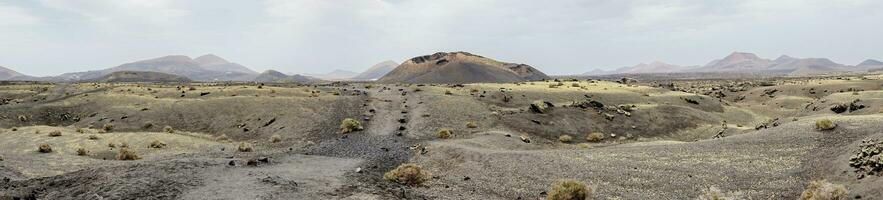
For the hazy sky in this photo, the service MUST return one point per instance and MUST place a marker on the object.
(49, 37)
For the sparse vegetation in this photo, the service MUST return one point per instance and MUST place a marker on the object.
(825, 124)
(471, 125)
(127, 154)
(540, 106)
(168, 129)
(44, 148)
(93, 137)
(82, 151)
(824, 190)
(245, 147)
(445, 133)
(22, 118)
(349, 125)
(448, 92)
(408, 174)
(275, 139)
(55, 133)
(81, 130)
(157, 144)
(565, 138)
(569, 190)
(111, 145)
(595, 137)
(107, 128)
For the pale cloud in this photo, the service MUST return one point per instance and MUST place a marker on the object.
(315, 36)
(15, 16)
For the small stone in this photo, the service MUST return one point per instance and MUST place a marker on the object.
(232, 163)
(359, 170)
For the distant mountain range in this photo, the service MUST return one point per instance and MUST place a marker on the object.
(337, 74)
(273, 76)
(741, 62)
(8, 74)
(377, 71)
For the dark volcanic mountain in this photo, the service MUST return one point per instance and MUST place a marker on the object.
(460, 67)
(8, 74)
(140, 76)
(273, 76)
(204, 68)
(377, 71)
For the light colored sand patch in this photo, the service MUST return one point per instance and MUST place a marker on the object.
(19, 148)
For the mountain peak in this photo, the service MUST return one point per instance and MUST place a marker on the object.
(784, 59)
(870, 62)
(6, 73)
(742, 56)
(210, 59)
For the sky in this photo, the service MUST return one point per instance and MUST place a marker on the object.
(50, 37)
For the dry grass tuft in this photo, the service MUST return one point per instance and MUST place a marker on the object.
(107, 128)
(82, 151)
(825, 124)
(565, 138)
(275, 139)
(569, 190)
(55, 133)
(44, 148)
(349, 125)
(471, 125)
(595, 137)
(127, 154)
(445, 133)
(824, 190)
(168, 129)
(157, 144)
(408, 174)
(245, 147)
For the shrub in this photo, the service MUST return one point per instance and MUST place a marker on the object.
(82, 151)
(111, 145)
(245, 147)
(823, 190)
(408, 174)
(168, 129)
(713, 193)
(107, 127)
(93, 137)
(569, 190)
(471, 125)
(448, 92)
(124, 145)
(81, 130)
(350, 125)
(127, 154)
(444, 133)
(595, 137)
(55, 133)
(584, 146)
(44, 148)
(275, 139)
(825, 124)
(157, 144)
(565, 138)
(574, 85)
